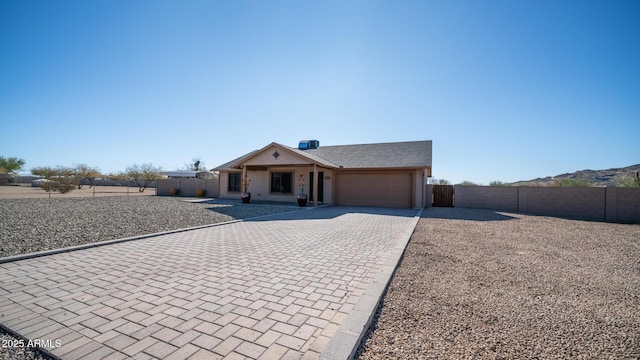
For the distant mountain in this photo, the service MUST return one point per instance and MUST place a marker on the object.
(608, 177)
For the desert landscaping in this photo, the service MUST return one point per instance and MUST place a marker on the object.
(30, 221)
(26, 191)
(478, 284)
(30, 224)
(472, 283)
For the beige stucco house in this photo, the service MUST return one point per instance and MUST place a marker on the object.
(383, 174)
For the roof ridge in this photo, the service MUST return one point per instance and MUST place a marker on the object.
(399, 154)
(374, 143)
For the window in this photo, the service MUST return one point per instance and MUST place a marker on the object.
(234, 182)
(281, 182)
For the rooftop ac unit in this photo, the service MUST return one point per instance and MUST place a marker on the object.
(308, 144)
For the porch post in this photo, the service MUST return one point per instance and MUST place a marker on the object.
(244, 178)
(315, 185)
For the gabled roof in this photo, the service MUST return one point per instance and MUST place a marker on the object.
(228, 165)
(410, 154)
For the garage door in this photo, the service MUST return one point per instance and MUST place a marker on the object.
(374, 189)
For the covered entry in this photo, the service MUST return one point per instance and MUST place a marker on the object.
(386, 189)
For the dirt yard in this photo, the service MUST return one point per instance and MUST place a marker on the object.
(477, 284)
(25, 191)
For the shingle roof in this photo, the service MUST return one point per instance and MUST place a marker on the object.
(410, 154)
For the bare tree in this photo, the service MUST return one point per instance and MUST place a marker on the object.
(195, 165)
(85, 172)
(440, 182)
(143, 175)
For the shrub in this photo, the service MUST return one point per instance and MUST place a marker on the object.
(468, 183)
(174, 192)
(46, 186)
(61, 178)
(632, 181)
(62, 186)
(200, 192)
(571, 182)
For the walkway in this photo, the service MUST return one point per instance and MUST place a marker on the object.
(275, 287)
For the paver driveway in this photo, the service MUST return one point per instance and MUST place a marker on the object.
(274, 287)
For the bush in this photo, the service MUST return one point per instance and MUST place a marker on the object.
(571, 182)
(174, 192)
(61, 179)
(201, 192)
(631, 181)
(62, 186)
(46, 186)
(468, 183)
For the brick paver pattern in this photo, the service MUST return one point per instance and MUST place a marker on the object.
(275, 287)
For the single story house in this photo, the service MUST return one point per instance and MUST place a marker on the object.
(383, 174)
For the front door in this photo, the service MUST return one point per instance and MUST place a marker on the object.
(320, 186)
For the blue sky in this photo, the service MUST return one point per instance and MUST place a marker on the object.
(507, 90)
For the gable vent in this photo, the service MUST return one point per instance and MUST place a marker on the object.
(308, 144)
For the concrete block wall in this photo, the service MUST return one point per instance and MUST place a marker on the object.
(428, 193)
(588, 203)
(503, 198)
(571, 202)
(623, 204)
(188, 187)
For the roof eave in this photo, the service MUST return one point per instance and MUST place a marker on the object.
(386, 168)
(238, 163)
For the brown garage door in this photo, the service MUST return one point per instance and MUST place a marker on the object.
(374, 189)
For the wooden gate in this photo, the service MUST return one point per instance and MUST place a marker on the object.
(443, 195)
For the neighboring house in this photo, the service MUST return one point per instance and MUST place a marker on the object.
(384, 174)
(6, 177)
(187, 174)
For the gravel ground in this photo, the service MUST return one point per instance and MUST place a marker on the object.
(14, 348)
(24, 191)
(485, 285)
(30, 225)
(472, 283)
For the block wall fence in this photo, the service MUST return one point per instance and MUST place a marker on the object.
(428, 193)
(589, 203)
(188, 187)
